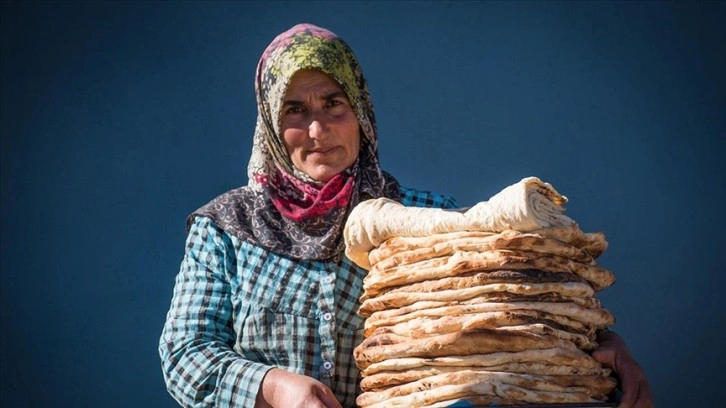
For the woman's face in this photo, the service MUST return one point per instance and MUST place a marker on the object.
(319, 129)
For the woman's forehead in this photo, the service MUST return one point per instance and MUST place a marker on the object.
(307, 81)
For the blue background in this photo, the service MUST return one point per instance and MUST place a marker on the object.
(118, 119)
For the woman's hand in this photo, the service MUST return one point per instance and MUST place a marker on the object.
(284, 389)
(613, 353)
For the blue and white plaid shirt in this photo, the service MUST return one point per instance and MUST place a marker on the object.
(239, 310)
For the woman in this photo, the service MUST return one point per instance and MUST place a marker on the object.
(264, 306)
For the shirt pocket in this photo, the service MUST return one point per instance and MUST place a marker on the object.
(278, 338)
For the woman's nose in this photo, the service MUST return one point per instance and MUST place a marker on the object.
(317, 128)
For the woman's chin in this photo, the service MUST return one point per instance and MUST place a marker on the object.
(323, 174)
(322, 178)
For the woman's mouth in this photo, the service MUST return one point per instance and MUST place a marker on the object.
(323, 151)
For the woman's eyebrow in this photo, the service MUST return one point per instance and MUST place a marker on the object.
(291, 102)
(334, 94)
(325, 97)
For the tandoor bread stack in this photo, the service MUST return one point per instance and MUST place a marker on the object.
(492, 305)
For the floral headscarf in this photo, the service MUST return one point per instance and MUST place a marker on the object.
(283, 209)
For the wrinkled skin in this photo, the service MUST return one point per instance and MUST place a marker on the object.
(614, 353)
(283, 389)
(320, 130)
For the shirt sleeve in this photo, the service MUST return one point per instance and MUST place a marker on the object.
(200, 367)
(421, 198)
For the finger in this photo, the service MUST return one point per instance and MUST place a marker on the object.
(636, 391)
(604, 356)
(645, 398)
(328, 398)
(627, 399)
(631, 390)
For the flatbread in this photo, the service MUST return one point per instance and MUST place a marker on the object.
(506, 392)
(387, 379)
(463, 262)
(578, 293)
(392, 254)
(569, 356)
(395, 245)
(525, 387)
(594, 243)
(564, 313)
(524, 206)
(492, 304)
(480, 278)
(477, 401)
(382, 347)
(529, 321)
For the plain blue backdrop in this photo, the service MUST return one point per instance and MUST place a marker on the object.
(118, 119)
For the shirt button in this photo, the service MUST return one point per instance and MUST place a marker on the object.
(329, 279)
(328, 317)
(327, 365)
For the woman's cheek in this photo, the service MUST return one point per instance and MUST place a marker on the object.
(293, 139)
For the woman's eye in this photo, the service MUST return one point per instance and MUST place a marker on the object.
(335, 102)
(293, 110)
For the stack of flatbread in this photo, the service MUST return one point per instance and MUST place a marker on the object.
(491, 305)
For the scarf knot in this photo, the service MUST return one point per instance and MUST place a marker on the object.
(300, 201)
